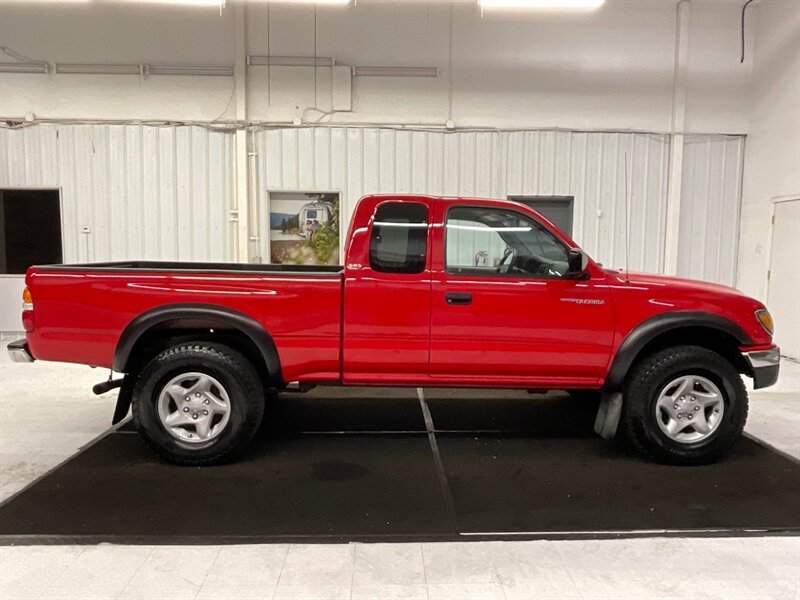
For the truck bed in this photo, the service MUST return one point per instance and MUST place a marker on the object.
(81, 310)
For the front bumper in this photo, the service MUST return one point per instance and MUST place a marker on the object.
(764, 366)
(18, 351)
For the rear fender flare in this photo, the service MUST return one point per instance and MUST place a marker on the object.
(649, 330)
(225, 317)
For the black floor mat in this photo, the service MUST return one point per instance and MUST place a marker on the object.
(309, 485)
(568, 484)
(333, 465)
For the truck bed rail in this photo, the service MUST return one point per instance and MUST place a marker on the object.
(197, 267)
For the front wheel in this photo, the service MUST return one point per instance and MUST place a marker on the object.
(198, 403)
(684, 405)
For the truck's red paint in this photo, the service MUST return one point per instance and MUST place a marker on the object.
(366, 327)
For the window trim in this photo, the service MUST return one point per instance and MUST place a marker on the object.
(428, 219)
(449, 271)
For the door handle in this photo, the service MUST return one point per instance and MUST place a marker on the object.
(458, 297)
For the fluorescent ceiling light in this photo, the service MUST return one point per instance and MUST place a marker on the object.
(482, 228)
(393, 224)
(48, 1)
(191, 2)
(214, 3)
(395, 71)
(291, 61)
(97, 69)
(310, 1)
(24, 67)
(543, 4)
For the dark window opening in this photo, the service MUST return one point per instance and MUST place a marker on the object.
(399, 242)
(556, 209)
(30, 229)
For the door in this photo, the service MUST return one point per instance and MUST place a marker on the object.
(387, 301)
(783, 294)
(504, 308)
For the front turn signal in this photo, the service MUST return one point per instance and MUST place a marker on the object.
(27, 300)
(765, 319)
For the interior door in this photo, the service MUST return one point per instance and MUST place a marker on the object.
(503, 309)
(783, 296)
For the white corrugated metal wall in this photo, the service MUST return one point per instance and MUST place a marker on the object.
(130, 191)
(711, 194)
(588, 166)
(166, 192)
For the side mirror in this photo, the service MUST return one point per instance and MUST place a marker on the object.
(578, 262)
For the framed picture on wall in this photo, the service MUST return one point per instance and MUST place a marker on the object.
(304, 228)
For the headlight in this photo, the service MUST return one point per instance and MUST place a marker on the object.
(765, 319)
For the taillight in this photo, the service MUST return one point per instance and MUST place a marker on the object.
(27, 300)
(27, 310)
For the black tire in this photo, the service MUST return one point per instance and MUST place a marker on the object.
(231, 370)
(649, 377)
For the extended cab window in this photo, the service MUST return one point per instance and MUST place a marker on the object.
(399, 242)
(496, 241)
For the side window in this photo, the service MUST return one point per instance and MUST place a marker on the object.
(399, 242)
(495, 241)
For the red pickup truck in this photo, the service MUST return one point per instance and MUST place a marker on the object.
(448, 292)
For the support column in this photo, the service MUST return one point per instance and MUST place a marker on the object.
(241, 158)
(677, 126)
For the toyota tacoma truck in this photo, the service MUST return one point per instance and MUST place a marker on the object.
(448, 292)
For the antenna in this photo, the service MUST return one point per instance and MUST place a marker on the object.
(627, 211)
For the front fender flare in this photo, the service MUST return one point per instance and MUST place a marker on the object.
(651, 328)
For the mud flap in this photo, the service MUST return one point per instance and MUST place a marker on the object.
(123, 400)
(608, 415)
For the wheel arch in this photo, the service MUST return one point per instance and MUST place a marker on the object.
(703, 329)
(156, 329)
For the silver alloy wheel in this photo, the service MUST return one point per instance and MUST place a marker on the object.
(689, 409)
(194, 408)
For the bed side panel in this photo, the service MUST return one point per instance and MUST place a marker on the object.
(80, 315)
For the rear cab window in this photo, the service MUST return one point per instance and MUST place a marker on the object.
(399, 238)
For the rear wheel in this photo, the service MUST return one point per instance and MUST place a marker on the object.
(198, 403)
(684, 405)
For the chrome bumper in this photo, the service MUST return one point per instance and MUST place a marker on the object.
(18, 351)
(764, 365)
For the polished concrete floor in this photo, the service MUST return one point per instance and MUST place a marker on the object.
(47, 413)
